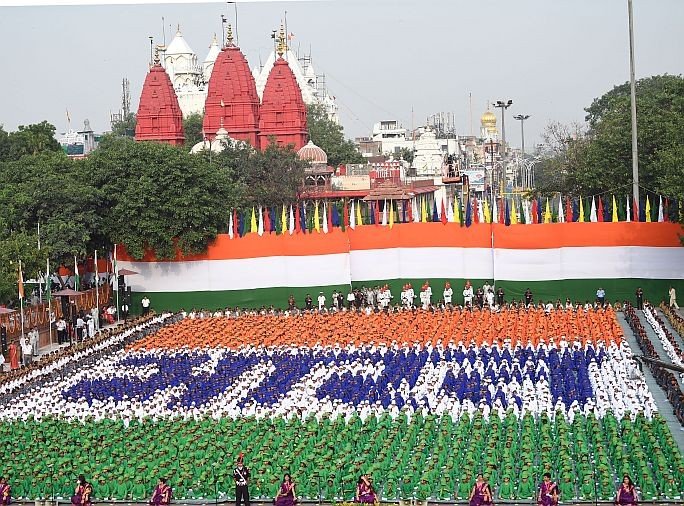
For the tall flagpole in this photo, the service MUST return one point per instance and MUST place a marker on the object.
(49, 298)
(116, 283)
(21, 298)
(97, 294)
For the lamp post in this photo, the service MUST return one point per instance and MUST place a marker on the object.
(503, 105)
(522, 118)
(632, 94)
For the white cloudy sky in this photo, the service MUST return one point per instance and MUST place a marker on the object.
(382, 58)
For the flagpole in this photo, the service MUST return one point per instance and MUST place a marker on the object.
(49, 298)
(116, 283)
(97, 293)
(21, 298)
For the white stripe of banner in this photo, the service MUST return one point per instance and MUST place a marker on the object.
(409, 263)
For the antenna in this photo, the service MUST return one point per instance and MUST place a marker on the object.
(164, 31)
(125, 97)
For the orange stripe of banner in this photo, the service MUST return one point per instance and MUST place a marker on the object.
(435, 235)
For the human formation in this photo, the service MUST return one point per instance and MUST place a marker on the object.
(345, 405)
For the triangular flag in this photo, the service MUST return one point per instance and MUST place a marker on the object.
(666, 212)
(561, 212)
(317, 218)
(268, 222)
(376, 212)
(592, 214)
(292, 224)
(230, 226)
(547, 212)
(391, 214)
(660, 209)
(444, 216)
(334, 215)
(514, 213)
(326, 218)
(615, 211)
(20, 280)
(599, 211)
(384, 214)
(372, 215)
(581, 211)
(450, 212)
(423, 211)
(495, 211)
(487, 213)
(352, 216)
(458, 216)
(535, 205)
(283, 219)
(636, 212)
(507, 213)
(522, 217)
(345, 210)
(648, 210)
(503, 212)
(628, 214)
(468, 213)
(77, 277)
(253, 222)
(359, 216)
(260, 227)
(435, 214)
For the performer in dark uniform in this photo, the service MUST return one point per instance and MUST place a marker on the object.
(639, 298)
(241, 475)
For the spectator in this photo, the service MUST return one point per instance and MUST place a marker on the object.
(308, 302)
(321, 301)
(145, 305)
(673, 298)
(601, 296)
(80, 327)
(528, 297)
(61, 331)
(34, 337)
(639, 299)
(26, 351)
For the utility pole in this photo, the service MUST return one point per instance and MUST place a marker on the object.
(522, 118)
(632, 89)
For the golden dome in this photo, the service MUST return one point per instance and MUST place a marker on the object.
(488, 120)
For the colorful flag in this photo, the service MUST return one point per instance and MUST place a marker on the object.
(283, 219)
(77, 277)
(376, 212)
(592, 214)
(495, 212)
(391, 215)
(547, 212)
(435, 214)
(260, 227)
(561, 212)
(292, 224)
(334, 215)
(468, 213)
(423, 211)
(513, 213)
(581, 211)
(568, 210)
(231, 234)
(444, 217)
(359, 216)
(502, 211)
(317, 218)
(345, 210)
(507, 213)
(615, 211)
(20, 280)
(635, 210)
(660, 209)
(450, 212)
(458, 216)
(384, 214)
(599, 212)
(371, 212)
(487, 212)
(352, 216)
(648, 210)
(253, 222)
(326, 218)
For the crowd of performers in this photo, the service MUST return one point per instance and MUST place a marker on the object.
(548, 493)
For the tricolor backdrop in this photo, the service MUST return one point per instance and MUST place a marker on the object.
(554, 260)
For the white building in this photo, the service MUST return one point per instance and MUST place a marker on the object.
(428, 158)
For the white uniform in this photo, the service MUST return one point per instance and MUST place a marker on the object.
(448, 294)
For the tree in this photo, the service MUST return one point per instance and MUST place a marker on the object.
(125, 127)
(407, 154)
(157, 197)
(4, 144)
(329, 136)
(192, 127)
(598, 158)
(32, 140)
(17, 246)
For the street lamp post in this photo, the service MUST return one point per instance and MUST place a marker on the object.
(522, 118)
(503, 105)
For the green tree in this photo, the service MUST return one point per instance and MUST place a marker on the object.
(32, 140)
(158, 197)
(126, 126)
(407, 154)
(192, 127)
(15, 246)
(329, 136)
(4, 144)
(598, 158)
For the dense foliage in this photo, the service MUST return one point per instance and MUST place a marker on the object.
(596, 157)
(329, 136)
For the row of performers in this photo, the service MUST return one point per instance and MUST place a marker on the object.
(548, 493)
(481, 495)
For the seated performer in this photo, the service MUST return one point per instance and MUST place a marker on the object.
(286, 495)
(5, 492)
(481, 494)
(365, 494)
(548, 492)
(627, 494)
(83, 492)
(162, 494)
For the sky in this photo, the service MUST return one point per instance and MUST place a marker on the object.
(383, 59)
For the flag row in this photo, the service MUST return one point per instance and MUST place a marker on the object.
(323, 215)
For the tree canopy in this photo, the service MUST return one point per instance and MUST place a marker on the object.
(597, 157)
(329, 136)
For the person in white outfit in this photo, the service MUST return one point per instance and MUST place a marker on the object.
(673, 297)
